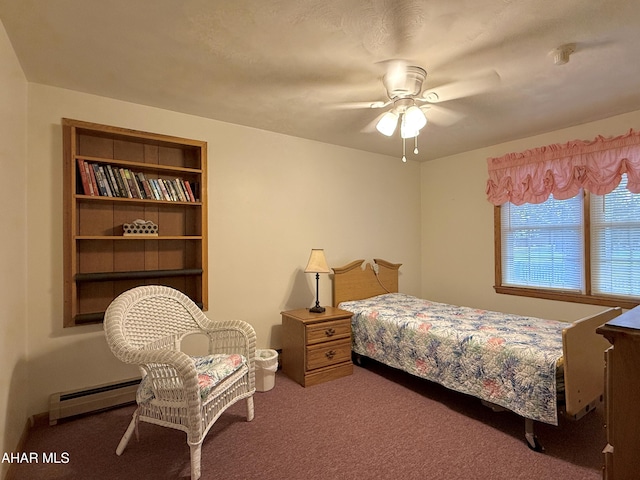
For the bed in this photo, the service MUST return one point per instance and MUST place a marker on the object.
(533, 367)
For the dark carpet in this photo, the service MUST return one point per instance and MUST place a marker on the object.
(376, 424)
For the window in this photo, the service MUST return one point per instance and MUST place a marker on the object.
(585, 249)
(615, 242)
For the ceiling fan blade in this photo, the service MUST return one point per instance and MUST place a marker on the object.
(359, 105)
(371, 126)
(442, 116)
(463, 88)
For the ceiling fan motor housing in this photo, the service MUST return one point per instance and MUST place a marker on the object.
(408, 85)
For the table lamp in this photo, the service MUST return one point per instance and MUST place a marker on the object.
(317, 264)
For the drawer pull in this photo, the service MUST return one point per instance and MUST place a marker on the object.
(330, 332)
(330, 354)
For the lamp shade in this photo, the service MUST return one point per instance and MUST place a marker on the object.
(387, 124)
(317, 262)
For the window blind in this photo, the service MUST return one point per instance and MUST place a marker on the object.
(615, 242)
(542, 244)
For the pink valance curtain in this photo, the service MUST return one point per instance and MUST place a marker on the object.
(562, 170)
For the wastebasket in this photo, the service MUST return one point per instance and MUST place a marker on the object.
(266, 366)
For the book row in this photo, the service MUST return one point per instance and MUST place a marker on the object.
(112, 181)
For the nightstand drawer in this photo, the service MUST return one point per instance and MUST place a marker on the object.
(329, 353)
(316, 347)
(327, 331)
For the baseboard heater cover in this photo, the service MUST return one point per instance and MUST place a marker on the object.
(92, 399)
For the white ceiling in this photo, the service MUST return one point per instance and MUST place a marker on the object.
(281, 65)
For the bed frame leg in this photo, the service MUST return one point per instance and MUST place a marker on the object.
(357, 359)
(530, 436)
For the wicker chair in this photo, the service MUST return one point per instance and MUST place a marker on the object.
(145, 326)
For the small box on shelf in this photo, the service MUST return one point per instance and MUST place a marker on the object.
(140, 227)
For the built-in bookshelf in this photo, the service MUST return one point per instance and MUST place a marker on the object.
(114, 176)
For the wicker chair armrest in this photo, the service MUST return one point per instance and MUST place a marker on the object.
(175, 358)
(183, 364)
(232, 336)
(185, 369)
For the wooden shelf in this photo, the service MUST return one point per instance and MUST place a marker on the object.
(99, 261)
(88, 318)
(147, 274)
(146, 238)
(97, 198)
(139, 165)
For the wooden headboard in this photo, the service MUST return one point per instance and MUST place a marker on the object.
(352, 282)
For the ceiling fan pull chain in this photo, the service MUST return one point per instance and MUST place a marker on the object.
(404, 157)
(415, 150)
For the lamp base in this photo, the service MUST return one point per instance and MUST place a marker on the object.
(317, 309)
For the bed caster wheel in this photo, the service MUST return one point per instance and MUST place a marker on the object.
(534, 444)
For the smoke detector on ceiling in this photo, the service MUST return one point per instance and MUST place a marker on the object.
(561, 54)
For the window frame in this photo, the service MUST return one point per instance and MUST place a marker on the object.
(588, 297)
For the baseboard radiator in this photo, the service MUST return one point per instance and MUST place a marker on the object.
(92, 399)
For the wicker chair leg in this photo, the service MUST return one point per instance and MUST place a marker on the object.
(127, 435)
(196, 453)
(249, 409)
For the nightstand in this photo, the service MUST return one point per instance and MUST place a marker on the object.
(316, 347)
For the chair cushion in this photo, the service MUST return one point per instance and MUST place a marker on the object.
(211, 370)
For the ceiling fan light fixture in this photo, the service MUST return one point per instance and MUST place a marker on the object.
(387, 124)
(414, 118)
(412, 121)
(406, 132)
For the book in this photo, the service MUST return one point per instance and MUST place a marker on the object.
(172, 190)
(125, 183)
(189, 191)
(96, 174)
(155, 189)
(105, 181)
(87, 188)
(139, 186)
(120, 182)
(92, 178)
(176, 188)
(196, 190)
(145, 185)
(115, 188)
(180, 189)
(163, 189)
(135, 193)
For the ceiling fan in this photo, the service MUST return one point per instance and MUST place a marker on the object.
(408, 102)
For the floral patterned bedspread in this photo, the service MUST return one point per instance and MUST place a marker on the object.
(508, 360)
